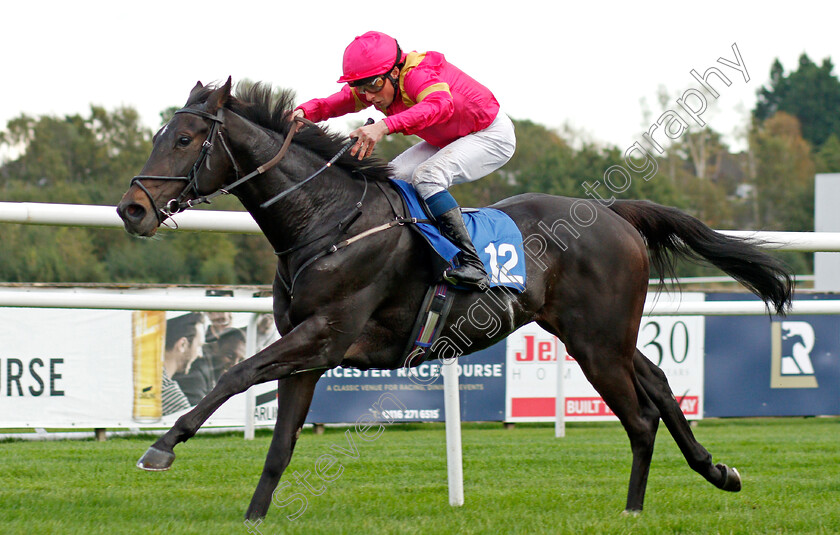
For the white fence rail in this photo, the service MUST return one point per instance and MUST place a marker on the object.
(241, 222)
(82, 215)
(38, 298)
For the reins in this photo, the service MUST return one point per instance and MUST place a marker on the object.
(180, 203)
(258, 171)
(338, 155)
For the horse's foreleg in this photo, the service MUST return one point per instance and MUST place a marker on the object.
(294, 395)
(314, 344)
(699, 459)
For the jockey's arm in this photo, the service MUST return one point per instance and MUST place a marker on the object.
(338, 104)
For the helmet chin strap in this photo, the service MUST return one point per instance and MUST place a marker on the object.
(394, 82)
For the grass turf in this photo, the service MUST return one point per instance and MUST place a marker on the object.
(516, 481)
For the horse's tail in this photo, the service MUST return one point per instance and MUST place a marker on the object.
(672, 234)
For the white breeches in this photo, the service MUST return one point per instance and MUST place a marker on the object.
(431, 169)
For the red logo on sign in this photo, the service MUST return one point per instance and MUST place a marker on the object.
(690, 405)
(544, 407)
(532, 407)
(538, 350)
(587, 407)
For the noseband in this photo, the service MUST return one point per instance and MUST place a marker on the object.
(181, 203)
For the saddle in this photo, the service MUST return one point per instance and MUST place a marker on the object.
(498, 242)
(496, 237)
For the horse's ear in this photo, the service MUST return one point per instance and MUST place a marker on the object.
(218, 98)
(198, 87)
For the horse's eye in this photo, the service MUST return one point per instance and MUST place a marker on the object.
(183, 141)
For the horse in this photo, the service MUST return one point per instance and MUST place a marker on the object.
(351, 273)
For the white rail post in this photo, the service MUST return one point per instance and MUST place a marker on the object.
(560, 400)
(452, 411)
(250, 402)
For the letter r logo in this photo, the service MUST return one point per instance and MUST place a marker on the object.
(791, 345)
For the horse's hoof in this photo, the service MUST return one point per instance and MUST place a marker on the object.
(156, 460)
(731, 478)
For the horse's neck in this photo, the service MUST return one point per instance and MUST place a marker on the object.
(296, 217)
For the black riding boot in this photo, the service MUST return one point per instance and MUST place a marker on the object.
(470, 272)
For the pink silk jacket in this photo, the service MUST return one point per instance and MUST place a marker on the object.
(436, 101)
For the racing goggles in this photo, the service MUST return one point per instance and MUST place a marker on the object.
(374, 84)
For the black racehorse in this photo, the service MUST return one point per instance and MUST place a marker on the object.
(350, 280)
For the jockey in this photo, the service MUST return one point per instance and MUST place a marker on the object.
(465, 136)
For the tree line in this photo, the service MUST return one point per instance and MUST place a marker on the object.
(794, 132)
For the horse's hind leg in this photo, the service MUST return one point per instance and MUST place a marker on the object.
(294, 395)
(699, 459)
(608, 365)
(623, 393)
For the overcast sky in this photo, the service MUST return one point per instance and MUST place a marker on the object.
(583, 64)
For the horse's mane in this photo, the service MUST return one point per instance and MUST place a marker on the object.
(260, 104)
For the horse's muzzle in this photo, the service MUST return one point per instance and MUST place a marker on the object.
(136, 218)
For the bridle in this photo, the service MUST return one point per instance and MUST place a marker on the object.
(179, 204)
(182, 202)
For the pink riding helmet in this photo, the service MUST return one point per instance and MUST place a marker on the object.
(371, 54)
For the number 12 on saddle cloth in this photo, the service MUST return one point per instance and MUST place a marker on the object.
(495, 236)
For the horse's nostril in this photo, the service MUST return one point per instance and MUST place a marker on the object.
(131, 211)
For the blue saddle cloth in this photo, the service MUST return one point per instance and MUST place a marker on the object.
(494, 234)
